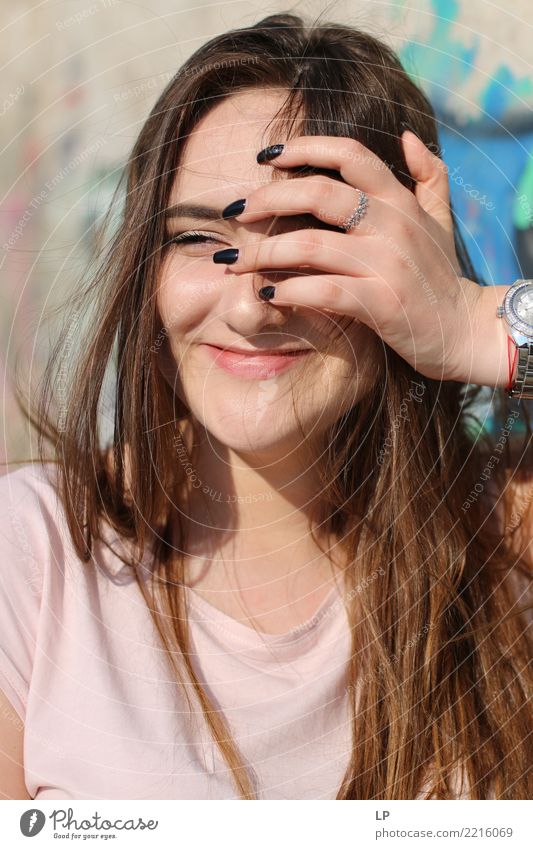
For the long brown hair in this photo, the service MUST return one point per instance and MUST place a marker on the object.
(439, 680)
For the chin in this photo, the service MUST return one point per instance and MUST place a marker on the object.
(258, 415)
(249, 423)
(263, 434)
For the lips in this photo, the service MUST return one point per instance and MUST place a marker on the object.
(260, 353)
(255, 364)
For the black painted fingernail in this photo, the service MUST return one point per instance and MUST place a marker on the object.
(267, 292)
(269, 153)
(234, 208)
(228, 255)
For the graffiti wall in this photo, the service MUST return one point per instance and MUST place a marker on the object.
(80, 78)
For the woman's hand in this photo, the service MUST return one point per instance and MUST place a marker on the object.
(396, 271)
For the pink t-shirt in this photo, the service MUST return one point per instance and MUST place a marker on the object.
(82, 664)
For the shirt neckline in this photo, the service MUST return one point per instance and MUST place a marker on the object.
(246, 634)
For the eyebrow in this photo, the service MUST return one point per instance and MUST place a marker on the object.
(187, 210)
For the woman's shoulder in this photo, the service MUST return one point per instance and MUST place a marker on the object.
(29, 498)
(31, 525)
(29, 477)
(29, 544)
(34, 523)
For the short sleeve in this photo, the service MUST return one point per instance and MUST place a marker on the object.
(24, 531)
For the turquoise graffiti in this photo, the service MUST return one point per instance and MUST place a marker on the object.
(482, 93)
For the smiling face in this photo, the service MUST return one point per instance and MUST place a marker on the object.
(248, 404)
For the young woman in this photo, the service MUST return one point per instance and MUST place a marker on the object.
(266, 583)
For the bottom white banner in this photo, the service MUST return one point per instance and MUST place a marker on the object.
(266, 824)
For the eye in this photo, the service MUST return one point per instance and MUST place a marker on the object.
(191, 237)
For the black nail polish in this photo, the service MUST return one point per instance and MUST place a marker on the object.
(269, 153)
(267, 292)
(228, 255)
(234, 208)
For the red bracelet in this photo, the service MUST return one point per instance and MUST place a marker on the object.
(511, 367)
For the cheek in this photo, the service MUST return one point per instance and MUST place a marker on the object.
(360, 350)
(186, 297)
(360, 359)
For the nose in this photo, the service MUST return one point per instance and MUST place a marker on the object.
(243, 311)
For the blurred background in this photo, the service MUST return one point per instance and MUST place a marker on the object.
(79, 78)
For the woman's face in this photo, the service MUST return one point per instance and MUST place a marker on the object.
(245, 404)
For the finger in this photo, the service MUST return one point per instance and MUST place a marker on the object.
(432, 190)
(368, 299)
(318, 249)
(328, 200)
(358, 165)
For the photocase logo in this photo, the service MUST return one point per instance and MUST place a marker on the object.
(32, 822)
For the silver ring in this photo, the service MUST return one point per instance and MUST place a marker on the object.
(358, 212)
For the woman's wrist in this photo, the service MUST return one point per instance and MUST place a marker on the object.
(488, 351)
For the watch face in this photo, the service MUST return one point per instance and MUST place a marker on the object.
(519, 305)
(523, 304)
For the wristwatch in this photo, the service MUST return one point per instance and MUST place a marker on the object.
(517, 312)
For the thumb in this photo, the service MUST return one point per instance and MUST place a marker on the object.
(432, 189)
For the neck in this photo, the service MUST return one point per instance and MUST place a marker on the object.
(252, 512)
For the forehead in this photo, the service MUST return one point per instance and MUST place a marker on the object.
(219, 157)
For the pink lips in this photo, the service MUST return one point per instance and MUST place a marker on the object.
(254, 365)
